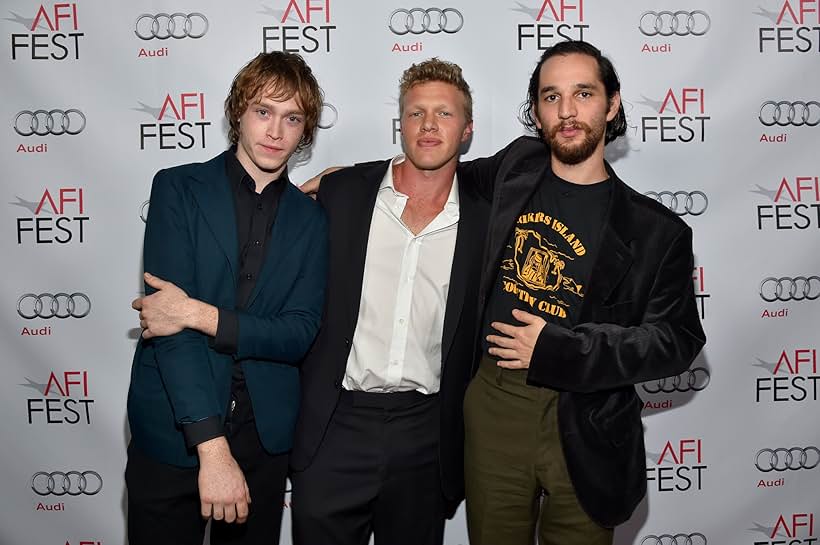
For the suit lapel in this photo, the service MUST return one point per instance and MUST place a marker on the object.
(614, 256)
(361, 203)
(466, 257)
(216, 203)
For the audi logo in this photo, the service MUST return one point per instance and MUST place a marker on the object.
(431, 21)
(144, 211)
(53, 305)
(783, 459)
(328, 116)
(681, 203)
(695, 380)
(54, 122)
(72, 483)
(784, 113)
(679, 23)
(175, 25)
(784, 288)
(677, 539)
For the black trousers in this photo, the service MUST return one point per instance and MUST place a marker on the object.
(163, 500)
(376, 472)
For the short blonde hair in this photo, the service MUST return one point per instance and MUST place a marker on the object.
(436, 70)
(279, 76)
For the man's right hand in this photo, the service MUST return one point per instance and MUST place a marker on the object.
(223, 492)
(311, 187)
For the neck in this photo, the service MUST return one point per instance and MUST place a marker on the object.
(427, 185)
(260, 177)
(589, 171)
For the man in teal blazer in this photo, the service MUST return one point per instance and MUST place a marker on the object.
(237, 258)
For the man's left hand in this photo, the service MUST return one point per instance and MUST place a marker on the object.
(517, 343)
(165, 312)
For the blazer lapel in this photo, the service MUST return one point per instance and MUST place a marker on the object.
(216, 203)
(466, 260)
(614, 257)
(361, 204)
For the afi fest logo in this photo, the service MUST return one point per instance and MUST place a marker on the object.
(791, 378)
(53, 34)
(62, 399)
(792, 203)
(303, 26)
(678, 468)
(180, 122)
(57, 216)
(681, 116)
(555, 20)
(794, 27)
(788, 529)
(701, 295)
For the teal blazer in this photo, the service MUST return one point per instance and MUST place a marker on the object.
(191, 240)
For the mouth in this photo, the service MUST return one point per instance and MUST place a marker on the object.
(428, 142)
(270, 149)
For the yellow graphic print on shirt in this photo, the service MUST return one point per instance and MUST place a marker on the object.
(539, 273)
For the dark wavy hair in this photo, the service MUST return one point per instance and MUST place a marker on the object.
(612, 85)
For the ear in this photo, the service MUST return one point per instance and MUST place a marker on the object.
(467, 132)
(614, 106)
(534, 114)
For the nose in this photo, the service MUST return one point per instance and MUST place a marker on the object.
(429, 123)
(273, 129)
(566, 108)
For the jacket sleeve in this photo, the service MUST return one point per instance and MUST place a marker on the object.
(599, 356)
(483, 171)
(287, 335)
(168, 252)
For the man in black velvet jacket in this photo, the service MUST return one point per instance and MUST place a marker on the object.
(586, 291)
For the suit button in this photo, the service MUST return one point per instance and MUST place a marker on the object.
(347, 342)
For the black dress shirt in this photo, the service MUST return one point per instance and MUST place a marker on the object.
(255, 216)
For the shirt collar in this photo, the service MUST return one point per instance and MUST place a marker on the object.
(238, 176)
(388, 184)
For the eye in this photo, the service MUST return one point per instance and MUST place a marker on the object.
(262, 112)
(445, 113)
(295, 119)
(584, 94)
(550, 98)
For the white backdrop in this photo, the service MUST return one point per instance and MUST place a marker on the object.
(722, 103)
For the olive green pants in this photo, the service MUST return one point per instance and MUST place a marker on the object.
(516, 476)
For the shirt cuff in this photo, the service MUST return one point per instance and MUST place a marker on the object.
(203, 430)
(227, 332)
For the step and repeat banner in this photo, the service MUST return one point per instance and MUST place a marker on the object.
(723, 105)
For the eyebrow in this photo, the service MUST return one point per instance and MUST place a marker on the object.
(267, 103)
(551, 88)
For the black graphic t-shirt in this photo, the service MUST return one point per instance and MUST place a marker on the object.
(548, 260)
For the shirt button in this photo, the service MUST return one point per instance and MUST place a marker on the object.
(401, 320)
(248, 276)
(257, 242)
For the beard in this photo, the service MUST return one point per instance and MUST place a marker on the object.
(572, 154)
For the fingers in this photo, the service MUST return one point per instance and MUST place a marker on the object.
(524, 316)
(506, 329)
(147, 334)
(154, 281)
(230, 513)
(136, 304)
(219, 511)
(241, 512)
(205, 509)
(504, 342)
(512, 364)
(505, 353)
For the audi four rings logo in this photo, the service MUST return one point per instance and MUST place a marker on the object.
(784, 113)
(695, 380)
(420, 20)
(54, 122)
(784, 459)
(53, 305)
(679, 23)
(681, 203)
(784, 288)
(174, 25)
(328, 116)
(677, 539)
(72, 483)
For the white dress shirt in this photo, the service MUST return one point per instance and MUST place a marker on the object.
(397, 343)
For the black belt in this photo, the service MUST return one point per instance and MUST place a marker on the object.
(384, 400)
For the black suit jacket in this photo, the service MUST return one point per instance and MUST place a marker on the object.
(349, 197)
(638, 322)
